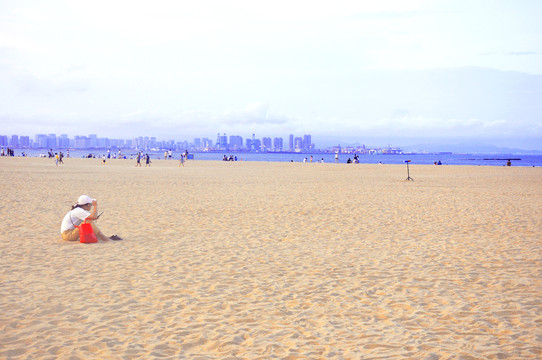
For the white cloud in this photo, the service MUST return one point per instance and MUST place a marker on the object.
(256, 114)
(303, 67)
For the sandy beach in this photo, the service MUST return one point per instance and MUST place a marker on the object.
(259, 260)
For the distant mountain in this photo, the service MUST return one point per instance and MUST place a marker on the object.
(470, 148)
(422, 145)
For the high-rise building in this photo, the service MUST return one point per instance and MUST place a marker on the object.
(139, 143)
(291, 144)
(102, 143)
(14, 141)
(236, 142)
(24, 141)
(307, 142)
(222, 142)
(93, 140)
(51, 141)
(266, 144)
(207, 143)
(277, 144)
(256, 144)
(40, 141)
(119, 143)
(82, 142)
(63, 141)
(4, 140)
(298, 144)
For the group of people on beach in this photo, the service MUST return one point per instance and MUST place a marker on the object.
(58, 158)
(7, 152)
(305, 160)
(184, 156)
(355, 160)
(231, 158)
(147, 159)
(140, 156)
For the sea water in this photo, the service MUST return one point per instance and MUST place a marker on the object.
(422, 159)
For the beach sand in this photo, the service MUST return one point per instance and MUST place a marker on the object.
(259, 260)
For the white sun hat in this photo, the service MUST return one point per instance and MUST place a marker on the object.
(85, 199)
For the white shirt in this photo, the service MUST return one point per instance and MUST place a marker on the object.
(74, 217)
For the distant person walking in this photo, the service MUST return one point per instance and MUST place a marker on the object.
(138, 160)
(147, 160)
(181, 161)
(336, 157)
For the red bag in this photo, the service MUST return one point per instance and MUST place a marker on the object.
(86, 234)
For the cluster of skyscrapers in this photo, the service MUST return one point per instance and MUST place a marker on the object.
(266, 144)
(52, 141)
(222, 143)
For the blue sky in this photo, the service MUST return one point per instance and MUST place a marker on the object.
(386, 72)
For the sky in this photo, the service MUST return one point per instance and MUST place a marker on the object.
(390, 72)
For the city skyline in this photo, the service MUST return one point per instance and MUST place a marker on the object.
(423, 72)
(222, 142)
(236, 143)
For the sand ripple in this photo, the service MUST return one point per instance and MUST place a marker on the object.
(264, 261)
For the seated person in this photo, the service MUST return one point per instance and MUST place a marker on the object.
(80, 212)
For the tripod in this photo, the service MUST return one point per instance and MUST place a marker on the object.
(408, 171)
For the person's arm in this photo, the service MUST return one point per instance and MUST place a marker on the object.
(93, 215)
